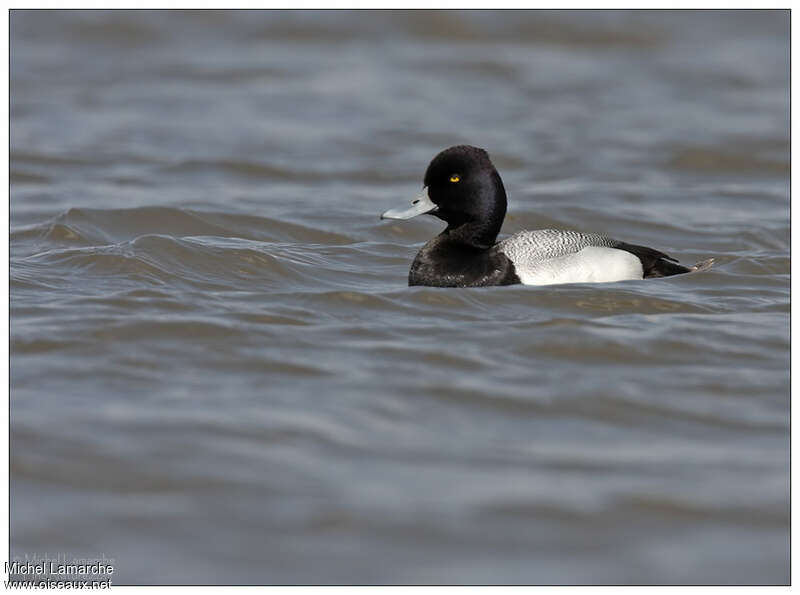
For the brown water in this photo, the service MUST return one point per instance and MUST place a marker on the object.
(219, 375)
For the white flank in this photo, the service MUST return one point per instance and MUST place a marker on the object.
(593, 264)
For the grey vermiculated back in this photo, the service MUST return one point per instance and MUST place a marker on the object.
(541, 244)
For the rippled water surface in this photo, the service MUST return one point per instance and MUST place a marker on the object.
(219, 374)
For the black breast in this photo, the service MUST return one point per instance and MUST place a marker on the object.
(445, 264)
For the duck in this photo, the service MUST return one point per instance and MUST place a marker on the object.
(463, 188)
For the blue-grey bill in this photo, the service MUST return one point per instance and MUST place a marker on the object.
(419, 206)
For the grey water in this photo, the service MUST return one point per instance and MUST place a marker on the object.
(219, 374)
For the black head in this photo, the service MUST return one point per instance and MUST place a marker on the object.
(468, 192)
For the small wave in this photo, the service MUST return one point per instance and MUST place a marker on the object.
(180, 329)
(117, 29)
(17, 176)
(682, 508)
(49, 159)
(106, 226)
(265, 172)
(457, 26)
(247, 169)
(105, 261)
(224, 263)
(54, 233)
(714, 160)
(163, 259)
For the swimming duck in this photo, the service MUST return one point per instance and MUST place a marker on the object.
(462, 187)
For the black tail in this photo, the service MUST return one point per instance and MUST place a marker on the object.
(658, 264)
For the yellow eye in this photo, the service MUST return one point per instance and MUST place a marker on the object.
(455, 178)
